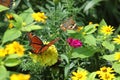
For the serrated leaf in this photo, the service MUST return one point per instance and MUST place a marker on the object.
(109, 57)
(31, 27)
(90, 40)
(11, 34)
(83, 52)
(116, 67)
(11, 62)
(3, 8)
(108, 45)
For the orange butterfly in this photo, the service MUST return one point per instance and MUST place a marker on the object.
(6, 3)
(68, 24)
(37, 44)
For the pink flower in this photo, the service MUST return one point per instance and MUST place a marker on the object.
(74, 42)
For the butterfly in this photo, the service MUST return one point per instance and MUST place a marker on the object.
(6, 3)
(68, 24)
(37, 45)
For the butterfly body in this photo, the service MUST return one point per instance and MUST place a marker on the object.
(37, 45)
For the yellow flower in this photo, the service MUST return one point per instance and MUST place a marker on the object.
(47, 58)
(2, 52)
(20, 77)
(15, 47)
(105, 70)
(10, 25)
(39, 17)
(90, 23)
(117, 39)
(107, 30)
(117, 56)
(9, 16)
(79, 29)
(107, 76)
(79, 75)
(105, 73)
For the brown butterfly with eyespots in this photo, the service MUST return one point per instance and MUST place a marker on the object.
(68, 24)
(37, 45)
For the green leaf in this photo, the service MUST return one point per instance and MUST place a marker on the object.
(71, 31)
(3, 8)
(83, 52)
(90, 40)
(63, 56)
(102, 23)
(116, 67)
(109, 57)
(90, 28)
(27, 16)
(11, 62)
(3, 73)
(31, 27)
(11, 34)
(91, 4)
(108, 45)
(66, 70)
(92, 76)
(18, 21)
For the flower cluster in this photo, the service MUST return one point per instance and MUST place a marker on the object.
(79, 75)
(74, 42)
(106, 73)
(12, 48)
(39, 17)
(20, 77)
(47, 58)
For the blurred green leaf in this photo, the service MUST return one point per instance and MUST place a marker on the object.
(90, 40)
(116, 67)
(11, 34)
(102, 23)
(92, 76)
(18, 21)
(27, 16)
(11, 62)
(31, 27)
(90, 28)
(91, 4)
(3, 8)
(64, 57)
(108, 45)
(109, 57)
(3, 73)
(83, 52)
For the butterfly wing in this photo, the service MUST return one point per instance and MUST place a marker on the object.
(69, 24)
(6, 3)
(48, 45)
(35, 43)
